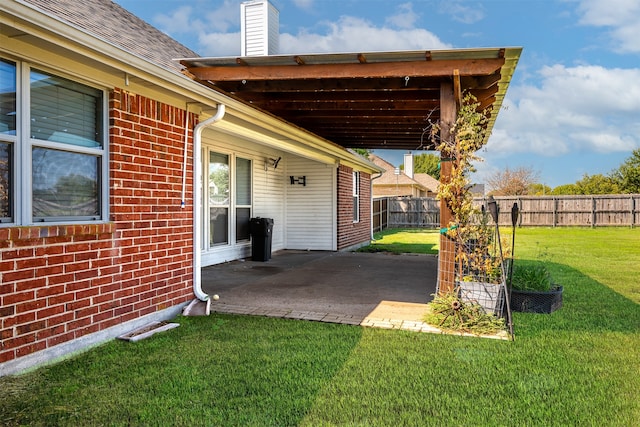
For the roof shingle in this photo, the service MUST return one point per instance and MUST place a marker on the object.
(113, 24)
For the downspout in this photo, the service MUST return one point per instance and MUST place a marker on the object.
(371, 209)
(197, 200)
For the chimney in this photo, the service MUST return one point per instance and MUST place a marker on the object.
(408, 165)
(259, 28)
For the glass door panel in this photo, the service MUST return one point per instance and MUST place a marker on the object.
(219, 199)
(243, 198)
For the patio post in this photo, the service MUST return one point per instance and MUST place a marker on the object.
(446, 257)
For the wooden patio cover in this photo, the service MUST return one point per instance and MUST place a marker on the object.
(375, 100)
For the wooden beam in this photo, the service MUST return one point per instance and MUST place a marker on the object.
(328, 84)
(440, 68)
(457, 90)
(446, 256)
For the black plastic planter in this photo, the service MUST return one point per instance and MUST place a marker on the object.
(536, 302)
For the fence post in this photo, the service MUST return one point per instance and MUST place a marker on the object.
(593, 212)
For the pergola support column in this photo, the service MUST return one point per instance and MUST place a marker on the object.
(446, 257)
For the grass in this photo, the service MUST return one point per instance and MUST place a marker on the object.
(409, 240)
(577, 366)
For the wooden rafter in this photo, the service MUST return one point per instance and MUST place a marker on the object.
(364, 100)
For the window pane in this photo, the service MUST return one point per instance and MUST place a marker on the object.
(356, 210)
(243, 216)
(219, 226)
(243, 182)
(65, 111)
(5, 182)
(218, 179)
(7, 98)
(65, 184)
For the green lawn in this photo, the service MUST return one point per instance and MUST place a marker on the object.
(407, 240)
(577, 366)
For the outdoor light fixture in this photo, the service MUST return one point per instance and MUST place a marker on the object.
(302, 180)
(271, 162)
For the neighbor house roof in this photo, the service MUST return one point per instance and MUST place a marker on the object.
(115, 25)
(389, 176)
(429, 182)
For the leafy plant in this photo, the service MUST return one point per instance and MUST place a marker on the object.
(451, 313)
(531, 277)
(468, 227)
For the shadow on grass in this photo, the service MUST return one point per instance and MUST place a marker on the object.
(588, 305)
(217, 370)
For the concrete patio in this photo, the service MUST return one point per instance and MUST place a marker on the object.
(368, 289)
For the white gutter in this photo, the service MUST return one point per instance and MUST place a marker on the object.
(197, 200)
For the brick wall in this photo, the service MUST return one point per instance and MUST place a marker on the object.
(350, 233)
(58, 283)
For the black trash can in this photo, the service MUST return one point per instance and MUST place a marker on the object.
(261, 230)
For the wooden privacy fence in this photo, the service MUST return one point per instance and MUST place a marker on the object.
(535, 211)
(563, 211)
(408, 212)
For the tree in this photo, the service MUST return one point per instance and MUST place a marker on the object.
(566, 190)
(426, 163)
(512, 182)
(597, 184)
(364, 152)
(538, 189)
(627, 175)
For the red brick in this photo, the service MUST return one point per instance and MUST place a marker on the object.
(80, 323)
(50, 290)
(59, 339)
(50, 311)
(31, 348)
(50, 271)
(31, 327)
(7, 310)
(18, 297)
(31, 263)
(13, 276)
(76, 266)
(60, 299)
(59, 319)
(6, 356)
(35, 304)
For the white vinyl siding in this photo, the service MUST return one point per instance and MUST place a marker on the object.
(266, 198)
(310, 209)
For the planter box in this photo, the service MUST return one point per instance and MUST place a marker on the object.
(536, 302)
(488, 295)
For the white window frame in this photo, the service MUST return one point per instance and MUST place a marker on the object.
(232, 206)
(356, 197)
(22, 147)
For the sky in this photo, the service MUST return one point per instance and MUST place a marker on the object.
(573, 105)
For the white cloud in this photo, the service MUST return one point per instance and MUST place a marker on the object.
(350, 34)
(210, 27)
(304, 4)
(178, 21)
(219, 44)
(622, 17)
(404, 18)
(462, 12)
(576, 109)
